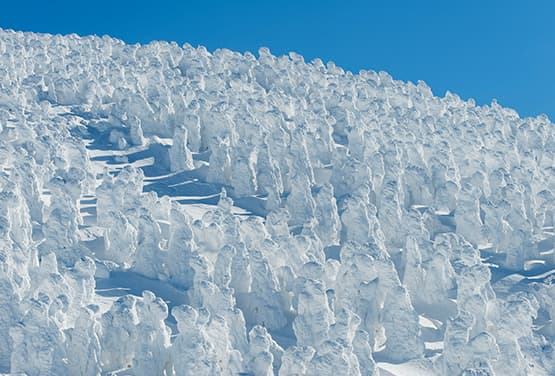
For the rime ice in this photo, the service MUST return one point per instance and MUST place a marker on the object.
(169, 210)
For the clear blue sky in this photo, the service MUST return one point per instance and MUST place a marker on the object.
(479, 49)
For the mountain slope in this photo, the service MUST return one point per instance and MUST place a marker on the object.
(164, 209)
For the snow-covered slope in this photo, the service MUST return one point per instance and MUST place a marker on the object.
(166, 210)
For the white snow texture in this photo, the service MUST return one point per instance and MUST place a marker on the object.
(165, 210)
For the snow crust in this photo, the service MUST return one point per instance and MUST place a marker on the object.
(167, 210)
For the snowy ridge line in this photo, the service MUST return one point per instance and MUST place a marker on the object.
(167, 210)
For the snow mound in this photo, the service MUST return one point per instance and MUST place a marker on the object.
(167, 210)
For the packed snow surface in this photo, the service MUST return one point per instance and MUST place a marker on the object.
(167, 210)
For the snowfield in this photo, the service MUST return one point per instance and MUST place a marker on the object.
(165, 210)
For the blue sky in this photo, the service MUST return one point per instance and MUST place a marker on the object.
(479, 49)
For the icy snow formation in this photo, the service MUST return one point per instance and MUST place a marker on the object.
(166, 210)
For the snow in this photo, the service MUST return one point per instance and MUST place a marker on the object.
(167, 210)
(409, 368)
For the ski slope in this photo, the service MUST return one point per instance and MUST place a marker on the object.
(169, 210)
